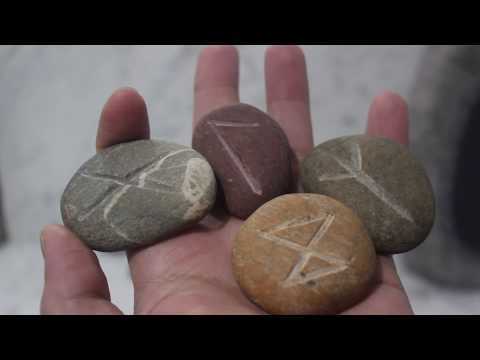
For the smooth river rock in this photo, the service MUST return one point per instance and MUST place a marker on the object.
(381, 181)
(136, 194)
(250, 155)
(304, 254)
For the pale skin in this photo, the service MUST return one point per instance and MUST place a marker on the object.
(191, 274)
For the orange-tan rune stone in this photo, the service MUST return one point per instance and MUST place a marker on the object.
(304, 254)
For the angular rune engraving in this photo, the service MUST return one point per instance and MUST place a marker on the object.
(247, 175)
(297, 276)
(136, 179)
(355, 171)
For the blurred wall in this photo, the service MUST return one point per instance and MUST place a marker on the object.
(445, 112)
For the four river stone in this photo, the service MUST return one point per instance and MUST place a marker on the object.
(249, 153)
(382, 182)
(136, 194)
(304, 254)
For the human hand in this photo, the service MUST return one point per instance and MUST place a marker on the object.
(192, 273)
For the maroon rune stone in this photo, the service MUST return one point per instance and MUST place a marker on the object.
(250, 155)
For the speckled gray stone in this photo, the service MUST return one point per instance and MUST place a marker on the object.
(382, 182)
(136, 194)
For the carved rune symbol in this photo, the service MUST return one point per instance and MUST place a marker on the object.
(246, 174)
(297, 275)
(136, 179)
(355, 171)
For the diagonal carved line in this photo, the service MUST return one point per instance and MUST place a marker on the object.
(156, 191)
(158, 182)
(131, 177)
(114, 179)
(243, 170)
(91, 209)
(335, 178)
(296, 271)
(157, 166)
(375, 188)
(295, 277)
(384, 196)
(282, 226)
(293, 224)
(280, 241)
(322, 231)
(115, 198)
(320, 273)
(134, 177)
(232, 124)
(301, 249)
(119, 232)
(106, 211)
(175, 167)
(357, 157)
(142, 177)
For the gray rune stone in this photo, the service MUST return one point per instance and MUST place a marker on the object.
(136, 194)
(381, 182)
(445, 109)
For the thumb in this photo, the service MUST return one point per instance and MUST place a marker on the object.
(74, 281)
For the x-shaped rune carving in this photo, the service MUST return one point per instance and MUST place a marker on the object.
(136, 179)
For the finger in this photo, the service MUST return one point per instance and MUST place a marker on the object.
(74, 282)
(288, 95)
(388, 272)
(388, 117)
(216, 80)
(384, 300)
(124, 118)
(388, 296)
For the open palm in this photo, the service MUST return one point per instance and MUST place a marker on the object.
(191, 274)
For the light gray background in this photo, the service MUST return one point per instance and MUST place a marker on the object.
(50, 101)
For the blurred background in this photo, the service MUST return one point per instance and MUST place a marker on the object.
(51, 98)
